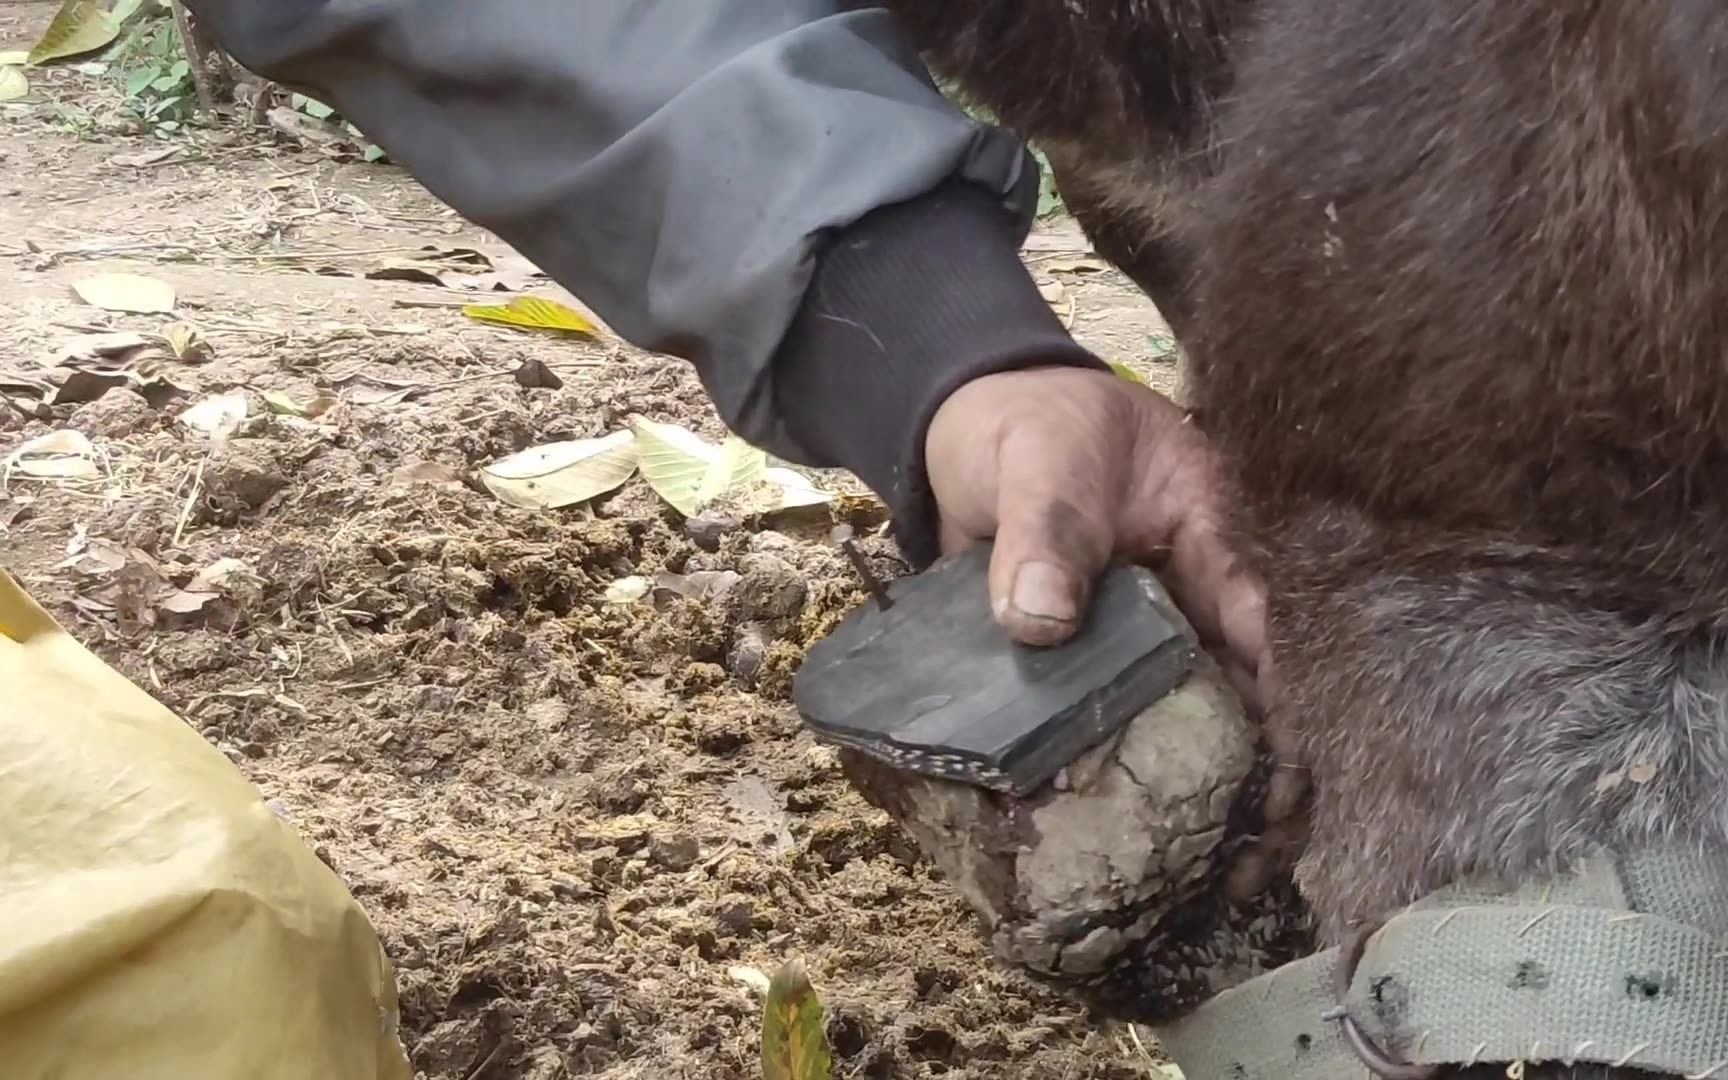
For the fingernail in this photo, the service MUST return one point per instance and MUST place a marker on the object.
(1045, 591)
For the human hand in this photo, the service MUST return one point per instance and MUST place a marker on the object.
(1067, 467)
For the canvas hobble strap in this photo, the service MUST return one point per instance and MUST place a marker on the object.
(1622, 962)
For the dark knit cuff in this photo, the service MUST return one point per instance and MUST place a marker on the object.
(905, 306)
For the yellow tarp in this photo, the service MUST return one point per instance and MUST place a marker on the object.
(157, 920)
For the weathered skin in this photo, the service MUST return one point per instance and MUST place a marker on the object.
(1451, 280)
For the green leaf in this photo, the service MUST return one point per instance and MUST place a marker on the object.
(140, 80)
(316, 109)
(13, 84)
(562, 473)
(180, 70)
(14, 58)
(80, 26)
(165, 84)
(691, 473)
(125, 9)
(1127, 372)
(737, 464)
(533, 313)
(687, 470)
(375, 153)
(794, 1040)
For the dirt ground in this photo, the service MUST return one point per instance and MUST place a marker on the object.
(569, 819)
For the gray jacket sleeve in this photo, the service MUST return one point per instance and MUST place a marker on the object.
(687, 167)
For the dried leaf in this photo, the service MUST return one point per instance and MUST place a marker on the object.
(88, 347)
(80, 26)
(533, 313)
(283, 404)
(145, 159)
(1608, 781)
(13, 84)
(407, 271)
(217, 417)
(131, 293)
(563, 473)
(59, 455)
(80, 387)
(1052, 292)
(467, 256)
(184, 602)
(104, 362)
(186, 343)
(215, 577)
(627, 590)
(98, 560)
(1641, 773)
(1074, 266)
(372, 395)
(535, 375)
(794, 1040)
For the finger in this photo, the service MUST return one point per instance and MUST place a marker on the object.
(1222, 596)
(953, 538)
(1050, 546)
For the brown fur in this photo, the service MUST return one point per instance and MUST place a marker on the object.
(1453, 279)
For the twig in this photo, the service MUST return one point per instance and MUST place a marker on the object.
(191, 498)
(196, 58)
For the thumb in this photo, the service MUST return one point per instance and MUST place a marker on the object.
(1050, 547)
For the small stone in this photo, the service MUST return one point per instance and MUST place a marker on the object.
(708, 530)
(749, 651)
(674, 853)
(735, 918)
(772, 542)
(770, 590)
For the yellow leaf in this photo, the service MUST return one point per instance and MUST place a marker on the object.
(131, 293)
(794, 1041)
(80, 26)
(14, 58)
(312, 408)
(562, 473)
(13, 84)
(533, 313)
(1127, 372)
(186, 343)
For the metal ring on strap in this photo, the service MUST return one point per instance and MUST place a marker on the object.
(1377, 1060)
